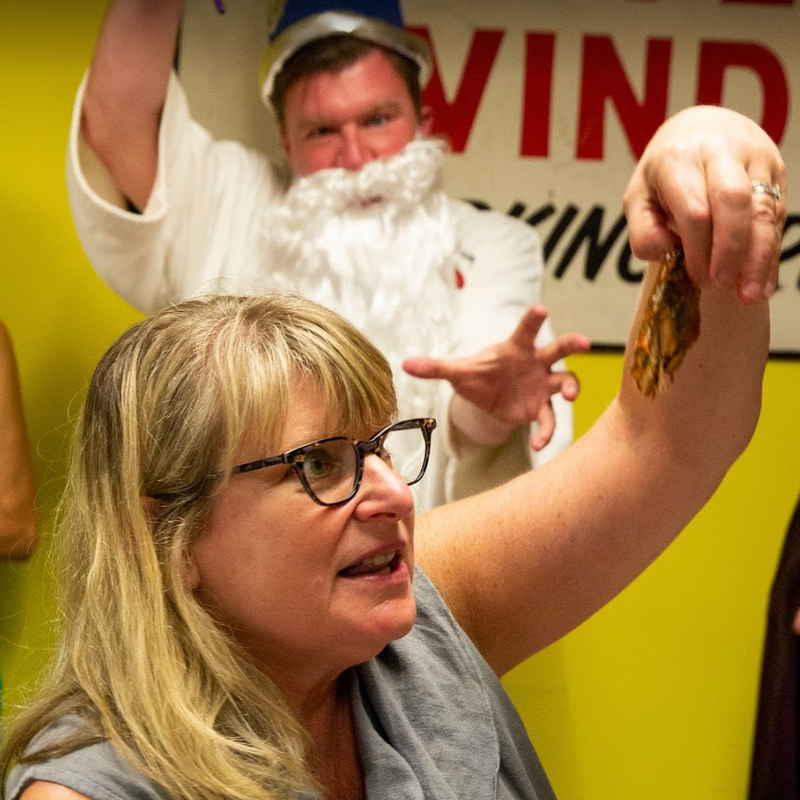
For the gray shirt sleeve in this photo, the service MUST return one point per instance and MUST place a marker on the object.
(97, 770)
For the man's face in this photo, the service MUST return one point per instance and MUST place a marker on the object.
(348, 118)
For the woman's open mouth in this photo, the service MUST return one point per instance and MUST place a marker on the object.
(382, 564)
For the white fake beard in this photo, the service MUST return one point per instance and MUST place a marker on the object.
(377, 245)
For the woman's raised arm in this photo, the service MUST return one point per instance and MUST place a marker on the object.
(523, 564)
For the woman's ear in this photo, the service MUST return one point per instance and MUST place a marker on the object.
(191, 575)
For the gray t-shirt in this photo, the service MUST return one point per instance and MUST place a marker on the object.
(432, 719)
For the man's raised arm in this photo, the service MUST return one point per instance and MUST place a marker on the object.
(126, 89)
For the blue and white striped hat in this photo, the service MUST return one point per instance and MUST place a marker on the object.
(303, 21)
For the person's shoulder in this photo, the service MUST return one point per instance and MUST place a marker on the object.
(477, 222)
(69, 760)
(472, 210)
(47, 790)
(495, 244)
(433, 613)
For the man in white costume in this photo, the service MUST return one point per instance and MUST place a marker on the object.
(165, 212)
(366, 230)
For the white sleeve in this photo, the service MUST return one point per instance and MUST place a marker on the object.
(503, 277)
(200, 225)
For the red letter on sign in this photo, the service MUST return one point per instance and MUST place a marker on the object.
(539, 49)
(716, 57)
(604, 79)
(455, 120)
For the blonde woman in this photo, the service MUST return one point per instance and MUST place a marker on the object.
(250, 608)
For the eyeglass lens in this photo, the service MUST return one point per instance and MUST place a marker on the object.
(330, 468)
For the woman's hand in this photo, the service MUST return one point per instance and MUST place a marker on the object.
(694, 182)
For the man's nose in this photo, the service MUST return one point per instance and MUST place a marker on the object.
(355, 151)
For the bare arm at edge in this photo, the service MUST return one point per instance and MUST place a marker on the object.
(18, 523)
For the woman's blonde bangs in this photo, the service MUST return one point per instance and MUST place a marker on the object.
(278, 343)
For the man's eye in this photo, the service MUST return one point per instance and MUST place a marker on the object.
(320, 132)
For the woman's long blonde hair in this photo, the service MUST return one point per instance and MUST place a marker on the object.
(140, 660)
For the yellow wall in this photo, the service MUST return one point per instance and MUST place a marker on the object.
(653, 698)
(60, 315)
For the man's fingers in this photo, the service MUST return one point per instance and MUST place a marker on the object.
(570, 344)
(567, 384)
(566, 345)
(528, 326)
(421, 367)
(546, 425)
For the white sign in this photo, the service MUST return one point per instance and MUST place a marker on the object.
(547, 105)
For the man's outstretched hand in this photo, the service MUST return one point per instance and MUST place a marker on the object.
(507, 384)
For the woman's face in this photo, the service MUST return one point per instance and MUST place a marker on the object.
(292, 579)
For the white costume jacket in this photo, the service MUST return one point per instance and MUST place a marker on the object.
(200, 232)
